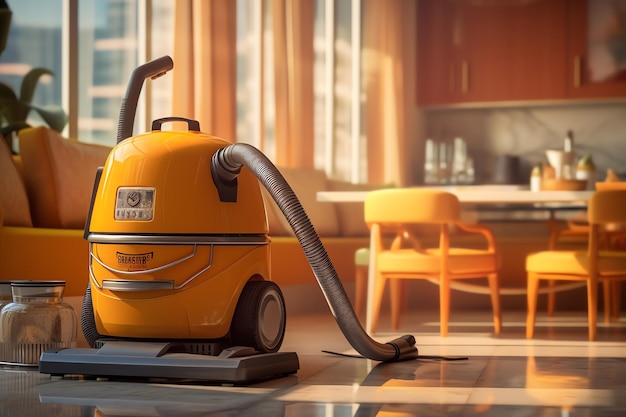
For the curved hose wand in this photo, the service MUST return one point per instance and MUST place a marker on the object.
(152, 69)
(225, 166)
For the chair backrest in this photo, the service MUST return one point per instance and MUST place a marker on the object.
(411, 205)
(607, 207)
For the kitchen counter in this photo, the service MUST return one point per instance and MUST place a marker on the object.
(496, 202)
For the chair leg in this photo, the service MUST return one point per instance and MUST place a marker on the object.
(551, 298)
(360, 285)
(444, 305)
(592, 306)
(606, 296)
(494, 287)
(396, 287)
(531, 294)
(377, 298)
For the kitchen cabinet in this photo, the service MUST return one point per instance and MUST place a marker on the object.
(597, 49)
(435, 69)
(510, 50)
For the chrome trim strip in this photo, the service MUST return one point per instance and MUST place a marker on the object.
(124, 285)
(178, 239)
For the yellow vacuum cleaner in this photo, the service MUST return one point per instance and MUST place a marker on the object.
(179, 284)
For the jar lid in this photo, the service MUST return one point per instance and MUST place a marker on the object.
(27, 283)
(5, 286)
(37, 289)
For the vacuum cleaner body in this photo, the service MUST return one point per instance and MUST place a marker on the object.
(168, 258)
(179, 283)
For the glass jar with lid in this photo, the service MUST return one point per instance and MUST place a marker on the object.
(36, 320)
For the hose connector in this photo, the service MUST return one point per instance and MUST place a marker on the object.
(405, 348)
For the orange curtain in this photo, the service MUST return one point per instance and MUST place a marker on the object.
(204, 78)
(292, 25)
(204, 75)
(386, 91)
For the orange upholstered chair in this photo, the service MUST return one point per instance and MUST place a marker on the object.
(599, 262)
(402, 211)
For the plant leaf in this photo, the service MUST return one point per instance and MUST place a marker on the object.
(55, 117)
(11, 109)
(29, 83)
(6, 92)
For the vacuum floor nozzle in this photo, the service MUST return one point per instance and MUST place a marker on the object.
(119, 359)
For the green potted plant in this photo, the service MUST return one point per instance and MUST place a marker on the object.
(15, 108)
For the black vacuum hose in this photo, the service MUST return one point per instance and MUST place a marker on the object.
(225, 166)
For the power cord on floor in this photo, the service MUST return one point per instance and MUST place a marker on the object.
(428, 357)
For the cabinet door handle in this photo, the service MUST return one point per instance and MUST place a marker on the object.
(464, 76)
(451, 79)
(577, 70)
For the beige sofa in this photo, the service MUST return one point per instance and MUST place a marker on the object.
(44, 200)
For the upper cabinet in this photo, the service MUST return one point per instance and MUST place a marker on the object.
(510, 50)
(597, 48)
(436, 78)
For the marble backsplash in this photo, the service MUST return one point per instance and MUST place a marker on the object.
(526, 132)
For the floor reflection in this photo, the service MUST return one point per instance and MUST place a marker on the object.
(502, 376)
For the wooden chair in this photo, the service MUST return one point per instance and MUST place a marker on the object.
(401, 211)
(599, 262)
(576, 228)
(361, 266)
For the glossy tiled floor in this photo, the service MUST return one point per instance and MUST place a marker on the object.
(558, 373)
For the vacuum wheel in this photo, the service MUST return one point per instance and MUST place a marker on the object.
(259, 319)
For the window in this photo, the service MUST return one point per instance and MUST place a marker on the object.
(34, 36)
(339, 143)
(113, 37)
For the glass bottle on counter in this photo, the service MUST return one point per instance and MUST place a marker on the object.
(37, 319)
(431, 162)
(535, 177)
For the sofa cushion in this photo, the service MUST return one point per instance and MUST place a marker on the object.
(59, 176)
(14, 210)
(305, 184)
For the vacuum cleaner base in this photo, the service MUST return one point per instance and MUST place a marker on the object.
(152, 360)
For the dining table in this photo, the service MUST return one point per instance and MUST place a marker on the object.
(483, 194)
(480, 197)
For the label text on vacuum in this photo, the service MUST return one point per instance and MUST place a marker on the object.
(134, 261)
(135, 203)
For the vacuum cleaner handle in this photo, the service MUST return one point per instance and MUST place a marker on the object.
(152, 69)
(192, 125)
